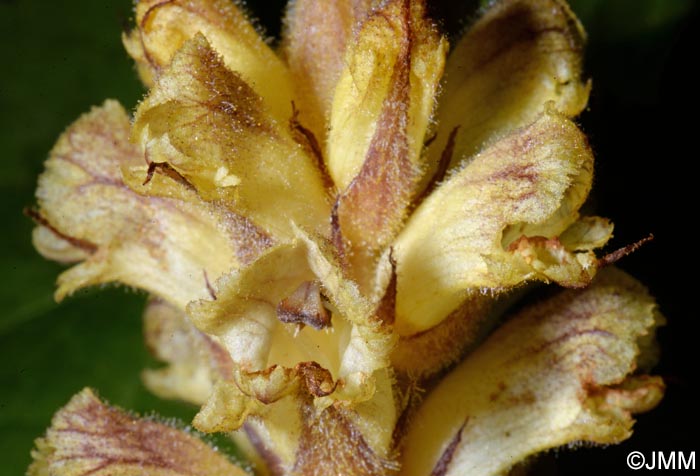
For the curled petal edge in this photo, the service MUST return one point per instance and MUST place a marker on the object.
(559, 372)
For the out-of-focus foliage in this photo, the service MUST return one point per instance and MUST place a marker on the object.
(619, 20)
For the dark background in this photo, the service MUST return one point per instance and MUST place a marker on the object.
(60, 57)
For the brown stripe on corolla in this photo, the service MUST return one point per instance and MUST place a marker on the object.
(219, 359)
(250, 239)
(305, 306)
(88, 437)
(39, 219)
(442, 166)
(331, 444)
(231, 95)
(566, 336)
(525, 173)
(337, 235)
(273, 463)
(386, 309)
(307, 139)
(315, 55)
(520, 27)
(443, 464)
(143, 26)
(375, 202)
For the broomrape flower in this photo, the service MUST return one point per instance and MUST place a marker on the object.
(329, 233)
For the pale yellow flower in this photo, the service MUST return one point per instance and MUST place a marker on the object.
(330, 232)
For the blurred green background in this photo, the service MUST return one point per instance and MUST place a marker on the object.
(60, 57)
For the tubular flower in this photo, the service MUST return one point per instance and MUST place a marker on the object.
(330, 232)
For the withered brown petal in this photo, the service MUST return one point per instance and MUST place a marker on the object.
(87, 437)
